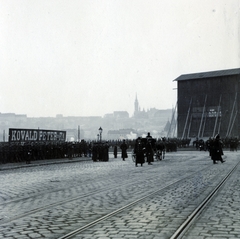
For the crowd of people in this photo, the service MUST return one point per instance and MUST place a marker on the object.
(215, 145)
(20, 152)
(143, 147)
(231, 143)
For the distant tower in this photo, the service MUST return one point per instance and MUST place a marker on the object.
(136, 106)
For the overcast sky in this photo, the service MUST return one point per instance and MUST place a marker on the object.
(91, 57)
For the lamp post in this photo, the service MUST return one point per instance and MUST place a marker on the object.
(98, 137)
(100, 133)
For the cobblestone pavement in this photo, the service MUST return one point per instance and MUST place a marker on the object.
(158, 217)
(221, 218)
(28, 188)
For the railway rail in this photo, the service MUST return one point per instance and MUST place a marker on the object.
(170, 190)
(92, 193)
(70, 199)
(191, 219)
(182, 228)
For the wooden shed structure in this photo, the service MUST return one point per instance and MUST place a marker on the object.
(208, 103)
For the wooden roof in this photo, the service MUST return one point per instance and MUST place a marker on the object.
(208, 74)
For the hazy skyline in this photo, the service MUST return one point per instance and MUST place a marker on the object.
(85, 57)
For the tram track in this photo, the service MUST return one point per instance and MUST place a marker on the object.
(86, 221)
(193, 217)
(79, 230)
(182, 228)
(48, 189)
(85, 195)
(39, 195)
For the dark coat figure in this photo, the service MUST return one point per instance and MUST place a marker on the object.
(149, 148)
(100, 152)
(139, 152)
(89, 150)
(149, 152)
(105, 152)
(217, 151)
(201, 144)
(124, 147)
(95, 152)
(70, 150)
(115, 151)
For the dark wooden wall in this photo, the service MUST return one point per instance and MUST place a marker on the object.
(211, 92)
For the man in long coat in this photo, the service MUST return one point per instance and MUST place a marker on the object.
(124, 147)
(139, 152)
(217, 150)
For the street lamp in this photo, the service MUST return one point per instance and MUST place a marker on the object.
(100, 133)
(98, 137)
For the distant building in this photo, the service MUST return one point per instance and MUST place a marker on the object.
(120, 114)
(116, 125)
(108, 116)
(9, 119)
(208, 103)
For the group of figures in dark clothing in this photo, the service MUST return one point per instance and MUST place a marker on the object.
(231, 143)
(143, 148)
(216, 149)
(215, 146)
(100, 151)
(30, 151)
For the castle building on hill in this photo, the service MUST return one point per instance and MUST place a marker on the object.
(118, 123)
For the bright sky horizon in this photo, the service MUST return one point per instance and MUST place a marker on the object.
(90, 58)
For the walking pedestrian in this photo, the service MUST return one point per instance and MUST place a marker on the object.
(124, 147)
(139, 152)
(149, 152)
(217, 150)
(149, 149)
(115, 151)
